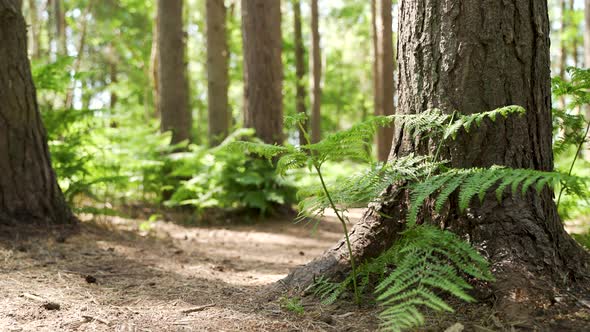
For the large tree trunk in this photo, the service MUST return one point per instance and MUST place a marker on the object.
(263, 69)
(29, 192)
(383, 68)
(217, 71)
(173, 85)
(316, 80)
(449, 60)
(299, 68)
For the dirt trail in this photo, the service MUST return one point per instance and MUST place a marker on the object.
(112, 277)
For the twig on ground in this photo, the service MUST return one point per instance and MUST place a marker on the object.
(199, 308)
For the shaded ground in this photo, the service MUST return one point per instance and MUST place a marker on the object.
(110, 276)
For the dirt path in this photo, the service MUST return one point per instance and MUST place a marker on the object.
(112, 277)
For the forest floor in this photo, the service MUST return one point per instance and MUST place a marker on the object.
(111, 276)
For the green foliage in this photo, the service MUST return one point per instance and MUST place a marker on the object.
(229, 179)
(426, 260)
(570, 130)
(472, 182)
(292, 304)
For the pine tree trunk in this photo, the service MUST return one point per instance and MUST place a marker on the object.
(299, 67)
(263, 72)
(60, 28)
(383, 73)
(316, 66)
(449, 60)
(29, 192)
(153, 70)
(173, 85)
(217, 71)
(35, 27)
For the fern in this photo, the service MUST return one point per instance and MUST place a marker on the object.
(478, 181)
(423, 263)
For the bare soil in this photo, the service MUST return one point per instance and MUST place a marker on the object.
(111, 276)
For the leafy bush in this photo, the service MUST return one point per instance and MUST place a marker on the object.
(221, 178)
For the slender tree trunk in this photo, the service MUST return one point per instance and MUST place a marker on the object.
(316, 80)
(299, 68)
(173, 84)
(35, 37)
(29, 192)
(217, 71)
(79, 52)
(113, 73)
(383, 72)
(572, 9)
(263, 72)
(587, 55)
(60, 27)
(449, 61)
(153, 71)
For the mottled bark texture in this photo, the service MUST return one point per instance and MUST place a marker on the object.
(173, 98)
(29, 192)
(263, 69)
(383, 67)
(299, 68)
(316, 76)
(217, 71)
(473, 56)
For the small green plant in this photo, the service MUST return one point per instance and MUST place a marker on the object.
(292, 304)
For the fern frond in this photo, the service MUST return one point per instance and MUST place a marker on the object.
(479, 181)
(426, 259)
(365, 187)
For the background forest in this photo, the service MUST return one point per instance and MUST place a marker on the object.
(95, 66)
(207, 120)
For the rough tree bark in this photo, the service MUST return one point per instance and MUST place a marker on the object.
(29, 192)
(217, 71)
(383, 72)
(316, 79)
(474, 56)
(299, 67)
(172, 81)
(263, 73)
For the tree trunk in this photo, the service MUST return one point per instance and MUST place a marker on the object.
(69, 102)
(383, 67)
(450, 61)
(217, 71)
(587, 55)
(173, 85)
(263, 72)
(154, 67)
(316, 66)
(29, 192)
(35, 37)
(60, 28)
(299, 68)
